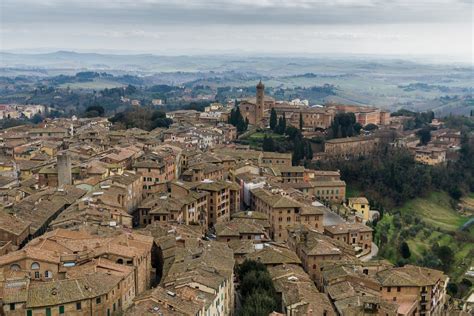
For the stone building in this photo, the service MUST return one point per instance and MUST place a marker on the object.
(356, 234)
(350, 147)
(254, 109)
(284, 212)
(314, 248)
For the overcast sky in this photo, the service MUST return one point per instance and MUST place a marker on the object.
(388, 27)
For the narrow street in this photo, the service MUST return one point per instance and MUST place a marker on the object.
(373, 252)
(331, 218)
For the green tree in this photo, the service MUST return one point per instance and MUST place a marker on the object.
(309, 151)
(258, 293)
(94, 111)
(445, 255)
(425, 135)
(293, 133)
(268, 144)
(273, 119)
(370, 127)
(236, 119)
(452, 289)
(298, 152)
(301, 121)
(405, 250)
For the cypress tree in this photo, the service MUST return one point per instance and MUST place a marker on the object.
(273, 120)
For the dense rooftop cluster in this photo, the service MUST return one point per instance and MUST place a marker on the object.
(132, 222)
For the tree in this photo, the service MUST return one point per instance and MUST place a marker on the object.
(236, 119)
(405, 250)
(301, 121)
(309, 151)
(370, 127)
(268, 144)
(37, 118)
(425, 135)
(452, 289)
(293, 133)
(273, 119)
(94, 111)
(258, 293)
(445, 255)
(343, 125)
(358, 127)
(141, 118)
(298, 152)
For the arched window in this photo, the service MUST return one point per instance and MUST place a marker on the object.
(15, 267)
(35, 266)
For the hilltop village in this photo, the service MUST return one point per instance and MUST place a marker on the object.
(100, 221)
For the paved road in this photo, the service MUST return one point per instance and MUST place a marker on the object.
(331, 218)
(374, 250)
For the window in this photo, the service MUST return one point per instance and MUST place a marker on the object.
(98, 300)
(398, 289)
(78, 306)
(15, 267)
(48, 274)
(61, 309)
(389, 289)
(48, 311)
(37, 275)
(35, 266)
(12, 306)
(29, 312)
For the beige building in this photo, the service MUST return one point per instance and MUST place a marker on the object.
(284, 212)
(50, 257)
(417, 290)
(299, 295)
(350, 147)
(430, 155)
(355, 234)
(204, 270)
(314, 248)
(364, 114)
(253, 109)
(360, 205)
(238, 229)
(223, 198)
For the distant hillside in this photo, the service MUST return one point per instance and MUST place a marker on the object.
(385, 83)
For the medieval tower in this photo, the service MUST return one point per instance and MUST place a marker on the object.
(64, 169)
(260, 102)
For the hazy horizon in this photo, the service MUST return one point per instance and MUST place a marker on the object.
(438, 29)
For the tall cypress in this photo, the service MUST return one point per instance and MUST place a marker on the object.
(273, 120)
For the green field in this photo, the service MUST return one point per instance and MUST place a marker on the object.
(437, 223)
(255, 139)
(436, 211)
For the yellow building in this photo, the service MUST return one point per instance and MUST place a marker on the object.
(361, 206)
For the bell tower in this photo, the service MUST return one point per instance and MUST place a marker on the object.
(260, 103)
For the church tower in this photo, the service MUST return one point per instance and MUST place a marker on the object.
(260, 103)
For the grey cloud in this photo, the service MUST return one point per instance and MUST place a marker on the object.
(297, 12)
